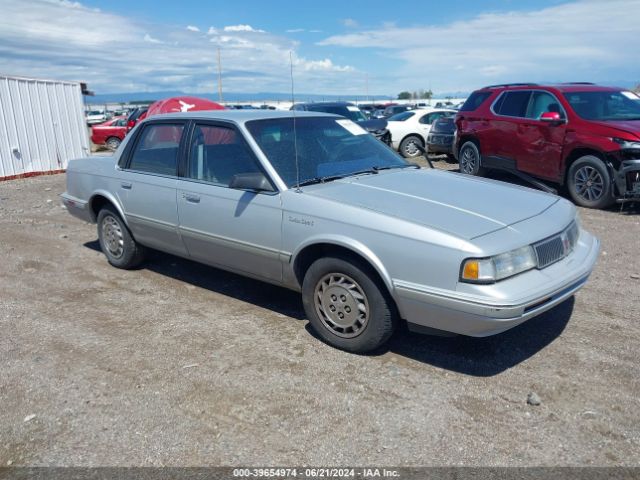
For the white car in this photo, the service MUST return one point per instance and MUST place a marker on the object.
(95, 116)
(409, 130)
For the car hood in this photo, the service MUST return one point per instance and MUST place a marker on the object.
(373, 124)
(461, 205)
(627, 126)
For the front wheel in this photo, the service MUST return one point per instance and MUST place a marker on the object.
(589, 183)
(116, 241)
(346, 306)
(469, 159)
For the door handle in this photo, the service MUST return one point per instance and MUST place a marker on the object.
(191, 197)
(126, 185)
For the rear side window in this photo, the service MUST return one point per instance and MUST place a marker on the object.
(513, 104)
(474, 101)
(401, 117)
(157, 149)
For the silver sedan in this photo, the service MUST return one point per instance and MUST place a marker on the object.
(314, 203)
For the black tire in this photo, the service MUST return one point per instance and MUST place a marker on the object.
(116, 241)
(407, 146)
(113, 143)
(451, 158)
(338, 283)
(589, 183)
(469, 159)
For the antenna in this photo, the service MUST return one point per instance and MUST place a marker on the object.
(219, 77)
(295, 133)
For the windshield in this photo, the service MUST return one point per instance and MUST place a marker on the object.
(327, 147)
(350, 111)
(605, 106)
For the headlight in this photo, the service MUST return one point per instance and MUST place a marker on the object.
(627, 144)
(498, 267)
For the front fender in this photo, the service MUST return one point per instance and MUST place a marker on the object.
(350, 244)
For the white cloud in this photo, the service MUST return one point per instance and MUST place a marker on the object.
(581, 40)
(192, 28)
(241, 28)
(67, 41)
(349, 23)
(150, 39)
(295, 30)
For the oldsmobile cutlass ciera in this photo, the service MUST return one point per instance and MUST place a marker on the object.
(312, 202)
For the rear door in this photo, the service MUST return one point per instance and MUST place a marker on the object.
(509, 112)
(147, 186)
(235, 229)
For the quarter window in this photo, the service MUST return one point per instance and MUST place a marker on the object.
(513, 104)
(157, 149)
(217, 154)
(474, 101)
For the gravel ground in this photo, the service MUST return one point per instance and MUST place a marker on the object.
(181, 364)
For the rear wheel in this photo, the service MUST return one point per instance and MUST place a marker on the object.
(409, 146)
(116, 242)
(589, 183)
(346, 306)
(113, 143)
(469, 159)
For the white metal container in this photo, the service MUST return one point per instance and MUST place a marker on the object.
(42, 125)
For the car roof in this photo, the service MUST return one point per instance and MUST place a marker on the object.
(560, 87)
(239, 116)
(326, 104)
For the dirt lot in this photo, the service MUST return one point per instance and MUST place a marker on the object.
(181, 364)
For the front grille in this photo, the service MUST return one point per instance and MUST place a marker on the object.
(555, 248)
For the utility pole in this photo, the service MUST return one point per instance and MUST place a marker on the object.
(219, 77)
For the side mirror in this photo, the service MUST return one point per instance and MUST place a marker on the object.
(255, 181)
(551, 117)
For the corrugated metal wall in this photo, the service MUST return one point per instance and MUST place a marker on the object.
(42, 125)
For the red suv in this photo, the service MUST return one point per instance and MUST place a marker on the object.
(580, 135)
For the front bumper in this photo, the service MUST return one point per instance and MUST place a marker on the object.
(478, 316)
(627, 179)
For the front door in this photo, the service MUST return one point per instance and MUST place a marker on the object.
(235, 229)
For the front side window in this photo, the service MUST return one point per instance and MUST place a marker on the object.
(542, 102)
(315, 149)
(218, 153)
(157, 149)
(513, 104)
(605, 105)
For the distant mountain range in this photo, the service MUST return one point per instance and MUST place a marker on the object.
(227, 97)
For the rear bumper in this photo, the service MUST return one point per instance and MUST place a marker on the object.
(475, 316)
(76, 207)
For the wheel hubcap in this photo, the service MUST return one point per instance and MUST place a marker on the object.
(410, 148)
(341, 305)
(468, 161)
(589, 183)
(112, 236)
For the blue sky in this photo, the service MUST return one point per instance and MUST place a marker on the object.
(338, 47)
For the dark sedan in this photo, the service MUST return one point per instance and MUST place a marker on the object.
(441, 135)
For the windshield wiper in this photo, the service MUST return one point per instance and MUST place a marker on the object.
(330, 178)
(389, 167)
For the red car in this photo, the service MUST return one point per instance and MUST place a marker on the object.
(110, 133)
(581, 135)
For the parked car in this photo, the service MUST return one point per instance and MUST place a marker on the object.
(409, 129)
(94, 117)
(310, 202)
(136, 116)
(376, 127)
(392, 110)
(581, 135)
(110, 133)
(441, 135)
